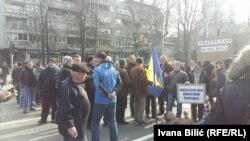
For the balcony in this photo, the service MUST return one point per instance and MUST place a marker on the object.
(15, 13)
(63, 5)
(20, 2)
(17, 27)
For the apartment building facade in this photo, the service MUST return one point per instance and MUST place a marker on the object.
(111, 26)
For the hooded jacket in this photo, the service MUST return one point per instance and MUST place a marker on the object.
(106, 74)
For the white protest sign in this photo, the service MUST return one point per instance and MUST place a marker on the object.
(192, 93)
(214, 48)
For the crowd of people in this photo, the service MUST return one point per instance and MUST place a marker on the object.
(80, 94)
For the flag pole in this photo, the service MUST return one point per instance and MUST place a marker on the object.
(154, 89)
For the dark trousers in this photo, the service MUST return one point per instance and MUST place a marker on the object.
(132, 104)
(90, 116)
(38, 98)
(161, 100)
(48, 102)
(194, 111)
(69, 138)
(120, 108)
(151, 99)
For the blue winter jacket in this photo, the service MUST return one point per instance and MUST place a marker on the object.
(109, 77)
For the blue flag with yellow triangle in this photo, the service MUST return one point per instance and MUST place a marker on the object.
(154, 74)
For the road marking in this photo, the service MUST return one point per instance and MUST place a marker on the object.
(19, 121)
(145, 137)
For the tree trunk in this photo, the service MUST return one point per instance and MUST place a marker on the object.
(96, 28)
(83, 38)
(47, 36)
(42, 34)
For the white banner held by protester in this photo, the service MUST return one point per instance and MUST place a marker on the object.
(214, 49)
(192, 93)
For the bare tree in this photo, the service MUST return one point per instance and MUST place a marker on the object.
(145, 15)
(44, 11)
(167, 12)
(81, 11)
(35, 19)
(189, 18)
(135, 24)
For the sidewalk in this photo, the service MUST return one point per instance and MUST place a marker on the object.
(8, 84)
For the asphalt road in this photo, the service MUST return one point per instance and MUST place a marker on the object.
(14, 125)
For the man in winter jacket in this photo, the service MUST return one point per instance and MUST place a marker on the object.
(28, 80)
(123, 93)
(90, 87)
(139, 85)
(73, 105)
(177, 76)
(198, 76)
(48, 82)
(106, 81)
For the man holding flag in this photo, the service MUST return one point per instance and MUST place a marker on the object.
(154, 74)
(139, 85)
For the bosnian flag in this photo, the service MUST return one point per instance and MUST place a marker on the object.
(154, 74)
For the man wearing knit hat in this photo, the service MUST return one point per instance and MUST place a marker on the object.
(67, 62)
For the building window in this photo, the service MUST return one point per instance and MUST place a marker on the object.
(104, 31)
(22, 37)
(104, 42)
(60, 39)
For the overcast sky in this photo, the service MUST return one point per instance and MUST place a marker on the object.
(242, 9)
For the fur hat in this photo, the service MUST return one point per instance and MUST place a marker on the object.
(239, 66)
(66, 60)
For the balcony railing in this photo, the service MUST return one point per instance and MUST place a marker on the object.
(18, 27)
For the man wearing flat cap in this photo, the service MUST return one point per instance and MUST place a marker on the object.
(106, 81)
(48, 85)
(73, 105)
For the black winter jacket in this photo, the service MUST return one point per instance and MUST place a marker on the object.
(73, 108)
(231, 104)
(65, 72)
(49, 80)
